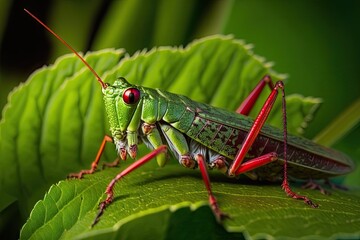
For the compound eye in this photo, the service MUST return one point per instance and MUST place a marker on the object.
(131, 95)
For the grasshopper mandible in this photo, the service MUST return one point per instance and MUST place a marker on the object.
(202, 136)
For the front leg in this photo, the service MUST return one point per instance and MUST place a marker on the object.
(110, 188)
(95, 163)
(154, 141)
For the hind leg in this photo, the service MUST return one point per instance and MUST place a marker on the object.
(246, 106)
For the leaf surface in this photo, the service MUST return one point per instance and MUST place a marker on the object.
(169, 202)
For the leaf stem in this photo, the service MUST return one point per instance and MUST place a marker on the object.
(341, 126)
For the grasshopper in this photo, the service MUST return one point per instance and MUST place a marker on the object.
(202, 136)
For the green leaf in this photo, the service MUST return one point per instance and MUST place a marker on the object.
(71, 205)
(40, 128)
(157, 200)
(122, 27)
(340, 126)
(54, 123)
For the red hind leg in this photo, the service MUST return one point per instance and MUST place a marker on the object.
(246, 106)
(253, 133)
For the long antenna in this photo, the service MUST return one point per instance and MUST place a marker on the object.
(103, 85)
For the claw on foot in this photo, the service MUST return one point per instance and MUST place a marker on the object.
(335, 186)
(220, 216)
(112, 164)
(102, 207)
(290, 193)
(310, 203)
(105, 203)
(74, 176)
(79, 175)
(315, 186)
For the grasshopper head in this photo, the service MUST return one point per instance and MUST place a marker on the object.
(123, 107)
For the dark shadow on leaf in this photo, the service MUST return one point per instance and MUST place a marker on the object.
(121, 197)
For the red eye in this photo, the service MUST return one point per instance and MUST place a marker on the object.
(131, 95)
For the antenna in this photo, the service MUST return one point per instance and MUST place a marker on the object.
(103, 85)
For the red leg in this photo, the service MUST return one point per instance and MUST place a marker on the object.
(256, 162)
(285, 185)
(335, 186)
(212, 200)
(95, 163)
(111, 164)
(129, 169)
(255, 129)
(315, 186)
(253, 133)
(250, 101)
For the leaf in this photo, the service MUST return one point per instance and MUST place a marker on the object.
(193, 19)
(71, 205)
(53, 123)
(340, 126)
(119, 23)
(157, 200)
(32, 146)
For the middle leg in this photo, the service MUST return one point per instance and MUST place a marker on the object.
(179, 146)
(110, 188)
(212, 200)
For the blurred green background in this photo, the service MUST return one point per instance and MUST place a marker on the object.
(316, 42)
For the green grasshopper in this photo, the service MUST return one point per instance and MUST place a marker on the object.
(202, 136)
